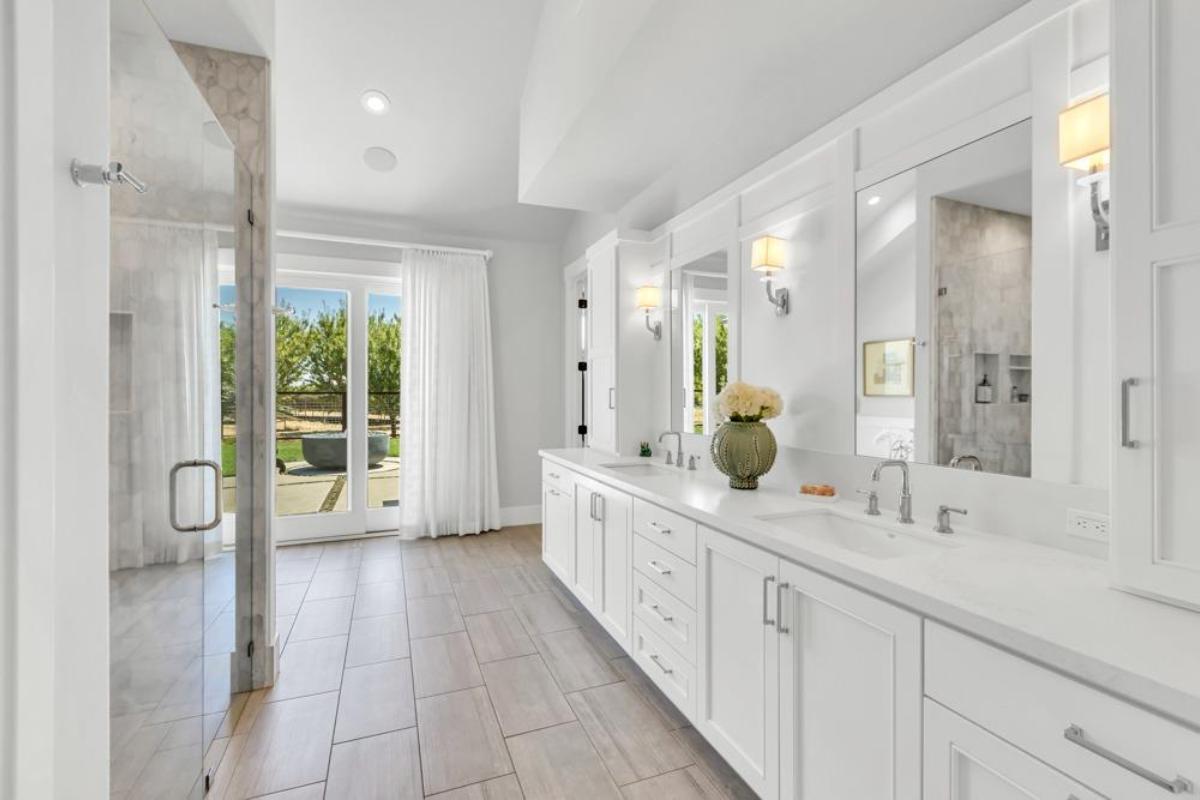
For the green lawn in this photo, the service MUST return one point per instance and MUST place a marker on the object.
(287, 449)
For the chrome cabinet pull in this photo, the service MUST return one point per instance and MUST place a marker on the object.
(612, 397)
(769, 579)
(173, 494)
(659, 664)
(599, 507)
(554, 475)
(779, 590)
(592, 506)
(657, 528)
(664, 617)
(1126, 442)
(658, 567)
(1075, 735)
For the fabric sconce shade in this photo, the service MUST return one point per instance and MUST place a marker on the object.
(768, 254)
(1083, 135)
(649, 297)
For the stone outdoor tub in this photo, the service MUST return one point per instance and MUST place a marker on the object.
(328, 450)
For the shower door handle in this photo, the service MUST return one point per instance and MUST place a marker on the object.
(173, 483)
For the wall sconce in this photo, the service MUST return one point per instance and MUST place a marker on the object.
(1083, 144)
(767, 255)
(650, 298)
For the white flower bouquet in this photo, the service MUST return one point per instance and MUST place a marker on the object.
(742, 402)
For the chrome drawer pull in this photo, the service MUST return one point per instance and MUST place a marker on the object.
(663, 529)
(659, 664)
(661, 615)
(779, 590)
(1075, 735)
(553, 475)
(766, 584)
(1125, 440)
(657, 567)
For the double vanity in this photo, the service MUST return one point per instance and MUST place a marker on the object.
(826, 653)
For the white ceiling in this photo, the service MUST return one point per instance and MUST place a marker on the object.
(646, 106)
(243, 26)
(453, 70)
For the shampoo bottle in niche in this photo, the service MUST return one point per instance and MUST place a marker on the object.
(983, 392)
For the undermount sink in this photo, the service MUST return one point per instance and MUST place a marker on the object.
(875, 541)
(641, 469)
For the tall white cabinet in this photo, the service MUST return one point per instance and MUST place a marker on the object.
(602, 344)
(1156, 294)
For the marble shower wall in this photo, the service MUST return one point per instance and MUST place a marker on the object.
(983, 266)
(238, 89)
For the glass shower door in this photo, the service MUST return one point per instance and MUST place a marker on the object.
(172, 603)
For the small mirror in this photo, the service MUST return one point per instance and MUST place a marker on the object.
(700, 328)
(946, 283)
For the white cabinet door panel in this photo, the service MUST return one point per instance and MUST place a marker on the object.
(738, 657)
(850, 692)
(558, 530)
(583, 566)
(613, 561)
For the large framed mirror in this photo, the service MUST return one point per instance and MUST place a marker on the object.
(701, 320)
(970, 339)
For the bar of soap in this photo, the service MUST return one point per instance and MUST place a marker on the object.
(818, 489)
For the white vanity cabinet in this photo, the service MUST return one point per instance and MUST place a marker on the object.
(965, 762)
(807, 687)
(603, 524)
(849, 691)
(558, 521)
(1155, 290)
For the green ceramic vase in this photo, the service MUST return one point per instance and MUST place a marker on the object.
(745, 451)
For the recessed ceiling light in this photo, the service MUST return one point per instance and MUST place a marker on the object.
(873, 200)
(379, 159)
(375, 102)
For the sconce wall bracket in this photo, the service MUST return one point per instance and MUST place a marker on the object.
(655, 328)
(778, 298)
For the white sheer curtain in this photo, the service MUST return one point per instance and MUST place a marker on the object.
(448, 481)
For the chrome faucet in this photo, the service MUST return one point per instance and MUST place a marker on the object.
(971, 462)
(943, 518)
(678, 446)
(905, 492)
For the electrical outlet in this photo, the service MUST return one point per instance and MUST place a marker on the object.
(1087, 525)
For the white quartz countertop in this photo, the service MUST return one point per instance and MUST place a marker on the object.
(1048, 605)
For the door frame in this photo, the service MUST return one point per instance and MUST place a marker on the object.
(359, 280)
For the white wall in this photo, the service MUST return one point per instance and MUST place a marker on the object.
(525, 291)
(55, 586)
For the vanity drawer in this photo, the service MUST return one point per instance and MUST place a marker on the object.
(666, 528)
(670, 672)
(1118, 749)
(668, 617)
(558, 476)
(665, 569)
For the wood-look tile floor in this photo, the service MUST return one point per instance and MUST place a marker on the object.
(456, 668)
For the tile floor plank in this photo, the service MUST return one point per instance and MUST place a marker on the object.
(543, 613)
(373, 639)
(506, 788)
(480, 595)
(320, 618)
(560, 762)
(460, 740)
(376, 698)
(336, 583)
(309, 667)
(434, 615)
(628, 734)
(444, 664)
(684, 784)
(424, 581)
(498, 635)
(287, 747)
(573, 661)
(525, 695)
(378, 599)
(384, 767)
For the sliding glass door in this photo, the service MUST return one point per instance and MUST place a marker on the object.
(337, 405)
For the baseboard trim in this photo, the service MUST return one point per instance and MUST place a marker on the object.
(520, 515)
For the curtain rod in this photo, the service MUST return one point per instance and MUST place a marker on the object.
(323, 237)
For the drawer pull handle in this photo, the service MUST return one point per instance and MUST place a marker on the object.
(1075, 735)
(767, 581)
(554, 492)
(779, 590)
(663, 529)
(661, 615)
(659, 568)
(659, 664)
(553, 475)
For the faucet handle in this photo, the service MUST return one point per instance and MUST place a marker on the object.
(691, 462)
(943, 518)
(872, 501)
(669, 461)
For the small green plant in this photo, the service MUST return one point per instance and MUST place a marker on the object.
(644, 450)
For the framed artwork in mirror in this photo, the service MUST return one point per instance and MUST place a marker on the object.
(888, 368)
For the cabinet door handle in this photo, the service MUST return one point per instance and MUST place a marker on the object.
(553, 475)
(767, 581)
(658, 567)
(664, 617)
(659, 664)
(612, 397)
(554, 492)
(599, 507)
(1126, 385)
(1075, 735)
(779, 606)
(592, 506)
(657, 528)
